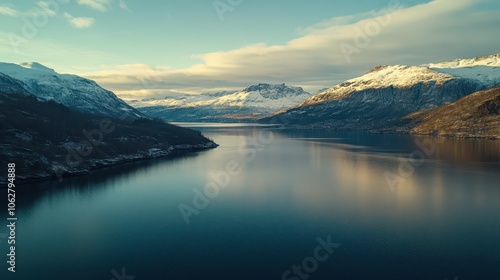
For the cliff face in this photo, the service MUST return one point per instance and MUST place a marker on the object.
(476, 115)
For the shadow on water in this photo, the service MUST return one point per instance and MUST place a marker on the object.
(99, 181)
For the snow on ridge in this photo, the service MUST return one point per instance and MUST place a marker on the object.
(36, 66)
(33, 71)
(487, 75)
(485, 69)
(262, 96)
(490, 60)
(400, 76)
(70, 90)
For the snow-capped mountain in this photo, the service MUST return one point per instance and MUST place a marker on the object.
(386, 93)
(75, 92)
(485, 69)
(46, 139)
(398, 76)
(253, 102)
(180, 100)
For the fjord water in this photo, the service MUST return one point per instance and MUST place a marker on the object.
(435, 219)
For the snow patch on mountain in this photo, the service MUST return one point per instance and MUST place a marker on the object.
(70, 90)
(399, 76)
(263, 96)
(485, 69)
(490, 60)
(36, 66)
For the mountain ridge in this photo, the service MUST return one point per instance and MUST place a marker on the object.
(75, 92)
(379, 99)
(47, 139)
(248, 104)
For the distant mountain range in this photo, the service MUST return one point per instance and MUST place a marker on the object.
(56, 125)
(249, 104)
(379, 99)
(47, 120)
(376, 101)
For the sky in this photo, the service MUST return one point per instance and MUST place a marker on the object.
(155, 48)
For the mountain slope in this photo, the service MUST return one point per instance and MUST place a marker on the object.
(380, 98)
(398, 76)
(46, 139)
(251, 103)
(70, 90)
(476, 115)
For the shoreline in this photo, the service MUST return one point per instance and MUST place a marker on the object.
(97, 165)
(398, 131)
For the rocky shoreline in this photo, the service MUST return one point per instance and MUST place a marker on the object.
(58, 171)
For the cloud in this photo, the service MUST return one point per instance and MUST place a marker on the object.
(42, 8)
(434, 31)
(79, 22)
(123, 5)
(46, 8)
(8, 11)
(100, 5)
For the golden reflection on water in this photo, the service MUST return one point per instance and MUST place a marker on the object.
(358, 177)
(464, 152)
(328, 177)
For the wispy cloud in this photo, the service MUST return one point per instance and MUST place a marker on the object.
(42, 7)
(79, 22)
(123, 5)
(433, 31)
(100, 5)
(8, 11)
(45, 7)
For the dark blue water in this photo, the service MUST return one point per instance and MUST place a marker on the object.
(281, 195)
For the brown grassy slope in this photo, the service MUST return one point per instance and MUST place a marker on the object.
(476, 115)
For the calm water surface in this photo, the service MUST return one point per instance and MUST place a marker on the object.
(432, 218)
